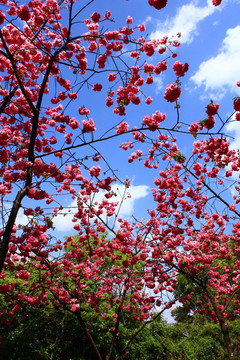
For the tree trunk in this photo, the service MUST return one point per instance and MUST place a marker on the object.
(89, 336)
(224, 329)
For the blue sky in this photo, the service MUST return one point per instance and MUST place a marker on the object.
(209, 43)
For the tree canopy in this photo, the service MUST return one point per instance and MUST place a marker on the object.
(114, 275)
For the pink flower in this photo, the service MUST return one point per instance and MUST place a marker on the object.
(88, 126)
(172, 92)
(97, 87)
(92, 46)
(193, 128)
(216, 2)
(236, 104)
(148, 100)
(148, 48)
(129, 20)
(148, 68)
(209, 122)
(95, 171)
(52, 140)
(125, 263)
(112, 77)
(123, 127)
(83, 110)
(109, 101)
(74, 307)
(73, 123)
(162, 50)
(24, 13)
(179, 68)
(95, 17)
(153, 121)
(7, 288)
(161, 66)
(101, 61)
(73, 95)
(158, 4)
(141, 28)
(149, 80)
(232, 207)
(212, 108)
(23, 274)
(2, 17)
(65, 32)
(107, 15)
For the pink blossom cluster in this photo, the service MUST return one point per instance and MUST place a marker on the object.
(172, 92)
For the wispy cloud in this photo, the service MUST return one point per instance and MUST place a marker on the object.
(219, 74)
(159, 85)
(234, 128)
(63, 222)
(185, 21)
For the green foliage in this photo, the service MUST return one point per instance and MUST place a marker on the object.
(196, 342)
(47, 332)
(152, 343)
(50, 333)
(44, 336)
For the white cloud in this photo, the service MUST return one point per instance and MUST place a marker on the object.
(63, 222)
(234, 128)
(185, 21)
(158, 81)
(136, 192)
(22, 219)
(219, 74)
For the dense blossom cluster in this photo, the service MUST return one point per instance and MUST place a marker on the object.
(172, 92)
(158, 4)
(216, 2)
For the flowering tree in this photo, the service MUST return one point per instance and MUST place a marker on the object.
(49, 148)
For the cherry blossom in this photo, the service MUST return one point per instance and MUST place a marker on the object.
(172, 92)
(52, 149)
